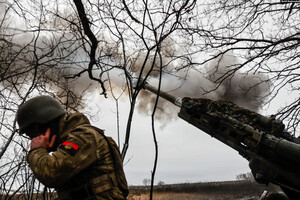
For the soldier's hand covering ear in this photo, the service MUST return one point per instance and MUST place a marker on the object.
(43, 141)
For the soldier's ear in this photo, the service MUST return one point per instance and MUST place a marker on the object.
(54, 126)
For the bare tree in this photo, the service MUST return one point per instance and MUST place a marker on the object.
(264, 34)
(245, 176)
(146, 181)
(48, 48)
(35, 59)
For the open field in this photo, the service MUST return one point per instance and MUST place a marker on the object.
(228, 190)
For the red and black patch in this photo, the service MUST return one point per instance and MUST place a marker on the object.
(69, 147)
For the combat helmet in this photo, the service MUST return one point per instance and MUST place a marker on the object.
(38, 110)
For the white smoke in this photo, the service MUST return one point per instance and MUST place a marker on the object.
(215, 81)
(49, 57)
(220, 79)
(248, 90)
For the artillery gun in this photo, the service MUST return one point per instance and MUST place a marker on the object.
(273, 154)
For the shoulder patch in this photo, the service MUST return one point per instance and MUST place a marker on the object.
(69, 147)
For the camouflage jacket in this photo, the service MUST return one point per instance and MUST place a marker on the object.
(82, 154)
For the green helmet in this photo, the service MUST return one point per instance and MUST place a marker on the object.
(38, 110)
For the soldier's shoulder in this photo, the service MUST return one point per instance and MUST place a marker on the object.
(87, 131)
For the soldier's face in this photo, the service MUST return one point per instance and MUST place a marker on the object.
(35, 130)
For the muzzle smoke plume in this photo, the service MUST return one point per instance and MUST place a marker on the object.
(220, 79)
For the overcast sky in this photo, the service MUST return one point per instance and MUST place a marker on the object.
(186, 154)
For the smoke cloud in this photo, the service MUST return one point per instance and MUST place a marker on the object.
(248, 90)
(57, 59)
(219, 79)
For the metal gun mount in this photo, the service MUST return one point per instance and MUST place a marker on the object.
(273, 154)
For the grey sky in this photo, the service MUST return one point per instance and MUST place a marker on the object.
(186, 154)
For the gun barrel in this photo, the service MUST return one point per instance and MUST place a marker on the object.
(272, 153)
(288, 149)
(255, 137)
(175, 100)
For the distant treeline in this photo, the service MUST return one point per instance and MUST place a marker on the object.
(242, 187)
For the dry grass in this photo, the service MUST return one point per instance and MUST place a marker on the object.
(190, 196)
(229, 190)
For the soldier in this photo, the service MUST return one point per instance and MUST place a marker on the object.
(83, 163)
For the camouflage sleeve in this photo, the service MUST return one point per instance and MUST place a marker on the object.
(73, 155)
